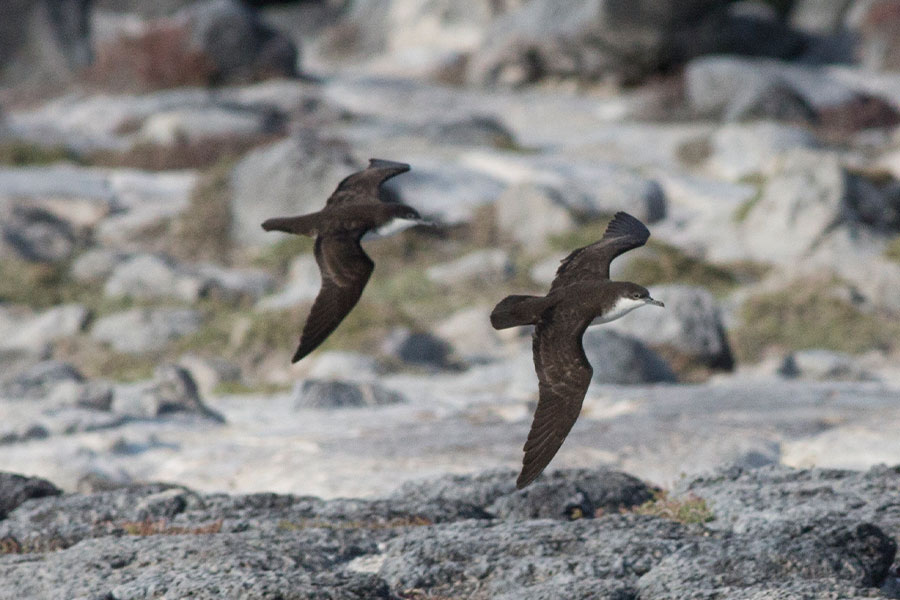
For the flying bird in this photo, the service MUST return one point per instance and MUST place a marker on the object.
(581, 295)
(352, 212)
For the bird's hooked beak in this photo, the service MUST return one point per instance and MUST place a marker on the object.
(650, 300)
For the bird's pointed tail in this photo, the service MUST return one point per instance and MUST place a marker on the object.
(303, 225)
(514, 311)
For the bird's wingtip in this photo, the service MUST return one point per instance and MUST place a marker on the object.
(381, 163)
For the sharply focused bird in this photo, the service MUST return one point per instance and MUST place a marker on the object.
(581, 295)
(351, 212)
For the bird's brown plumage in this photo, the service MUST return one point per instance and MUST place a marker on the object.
(580, 292)
(350, 212)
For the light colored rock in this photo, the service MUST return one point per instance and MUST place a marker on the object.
(690, 324)
(469, 333)
(150, 277)
(590, 188)
(804, 198)
(446, 192)
(39, 380)
(741, 150)
(192, 125)
(822, 365)
(318, 393)
(95, 264)
(529, 214)
(620, 359)
(37, 334)
(303, 283)
(343, 366)
(35, 235)
(208, 372)
(172, 390)
(141, 330)
(290, 177)
(232, 285)
(490, 265)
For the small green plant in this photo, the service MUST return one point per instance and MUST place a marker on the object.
(892, 252)
(203, 231)
(668, 264)
(161, 527)
(690, 509)
(20, 153)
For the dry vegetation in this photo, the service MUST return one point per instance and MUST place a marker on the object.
(688, 510)
(810, 315)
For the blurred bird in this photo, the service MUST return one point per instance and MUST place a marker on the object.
(353, 212)
(581, 295)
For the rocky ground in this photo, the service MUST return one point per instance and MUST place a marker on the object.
(146, 320)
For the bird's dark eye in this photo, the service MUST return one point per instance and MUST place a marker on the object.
(636, 295)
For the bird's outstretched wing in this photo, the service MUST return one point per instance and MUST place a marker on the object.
(362, 186)
(564, 374)
(345, 271)
(623, 233)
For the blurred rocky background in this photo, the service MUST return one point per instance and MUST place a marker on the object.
(147, 321)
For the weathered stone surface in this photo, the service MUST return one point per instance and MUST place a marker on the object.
(690, 324)
(517, 207)
(95, 264)
(151, 277)
(823, 365)
(317, 393)
(38, 380)
(16, 489)
(37, 334)
(44, 42)
(744, 150)
(303, 283)
(172, 390)
(621, 359)
(291, 177)
(466, 332)
(31, 233)
(416, 347)
(481, 266)
(141, 330)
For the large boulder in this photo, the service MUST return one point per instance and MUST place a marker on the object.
(620, 359)
(319, 393)
(140, 330)
(690, 325)
(290, 177)
(36, 334)
(516, 208)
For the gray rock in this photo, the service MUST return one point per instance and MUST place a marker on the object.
(195, 125)
(416, 348)
(819, 16)
(446, 192)
(318, 393)
(742, 150)
(240, 47)
(16, 489)
(38, 380)
(140, 330)
(489, 266)
(95, 264)
(290, 177)
(775, 100)
(303, 283)
(466, 333)
(34, 234)
(690, 324)
(171, 391)
(208, 372)
(813, 534)
(151, 277)
(586, 41)
(624, 360)
(588, 188)
(343, 366)
(822, 365)
(515, 211)
(44, 42)
(808, 199)
(37, 334)
(232, 285)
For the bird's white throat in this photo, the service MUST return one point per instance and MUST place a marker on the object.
(395, 225)
(622, 307)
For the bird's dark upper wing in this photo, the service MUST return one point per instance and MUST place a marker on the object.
(564, 374)
(362, 186)
(622, 234)
(345, 271)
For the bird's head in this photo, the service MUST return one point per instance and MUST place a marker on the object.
(639, 294)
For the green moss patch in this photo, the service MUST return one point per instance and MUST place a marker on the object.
(688, 510)
(20, 153)
(892, 252)
(808, 315)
